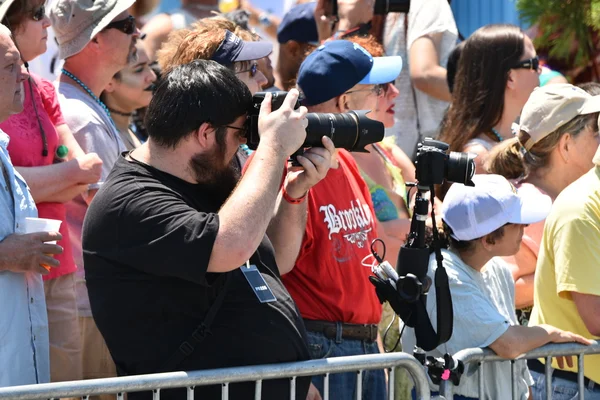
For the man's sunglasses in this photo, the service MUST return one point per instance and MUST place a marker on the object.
(37, 14)
(127, 25)
(532, 63)
(253, 70)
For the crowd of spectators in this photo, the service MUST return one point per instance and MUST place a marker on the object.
(180, 248)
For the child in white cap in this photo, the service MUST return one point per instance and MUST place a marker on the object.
(484, 223)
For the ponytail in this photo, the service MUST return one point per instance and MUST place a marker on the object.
(507, 160)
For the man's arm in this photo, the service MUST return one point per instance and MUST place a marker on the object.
(156, 30)
(287, 227)
(588, 307)
(242, 219)
(426, 74)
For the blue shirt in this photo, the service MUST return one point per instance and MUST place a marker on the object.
(24, 348)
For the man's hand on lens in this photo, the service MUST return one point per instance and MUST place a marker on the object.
(283, 130)
(29, 252)
(315, 163)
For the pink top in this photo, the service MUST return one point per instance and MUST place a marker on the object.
(25, 149)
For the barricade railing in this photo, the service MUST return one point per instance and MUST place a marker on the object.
(226, 376)
(475, 359)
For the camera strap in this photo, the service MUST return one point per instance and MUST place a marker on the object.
(188, 346)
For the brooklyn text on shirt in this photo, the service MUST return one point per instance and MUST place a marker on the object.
(354, 222)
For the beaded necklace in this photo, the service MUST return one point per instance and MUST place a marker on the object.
(87, 89)
(495, 132)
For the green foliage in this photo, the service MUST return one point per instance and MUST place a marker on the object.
(567, 28)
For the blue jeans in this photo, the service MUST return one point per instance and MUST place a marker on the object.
(343, 386)
(413, 393)
(562, 389)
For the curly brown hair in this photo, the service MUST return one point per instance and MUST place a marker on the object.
(200, 41)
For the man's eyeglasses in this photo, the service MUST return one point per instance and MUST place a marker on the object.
(253, 70)
(243, 131)
(532, 63)
(37, 14)
(127, 25)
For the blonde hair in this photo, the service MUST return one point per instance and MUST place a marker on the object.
(200, 41)
(510, 159)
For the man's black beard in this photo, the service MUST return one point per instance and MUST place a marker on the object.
(215, 175)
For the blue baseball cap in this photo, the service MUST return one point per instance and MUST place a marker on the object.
(337, 66)
(299, 25)
(233, 49)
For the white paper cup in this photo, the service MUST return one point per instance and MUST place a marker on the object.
(33, 225)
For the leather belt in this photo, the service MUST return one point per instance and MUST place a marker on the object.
(367, 332)
(537, 366)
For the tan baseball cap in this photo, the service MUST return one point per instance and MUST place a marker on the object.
(76, 22)
(550, 107)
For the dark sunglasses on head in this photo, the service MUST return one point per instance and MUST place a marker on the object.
(37, 14)
(253, 70)
(532, 63)
(127, 25)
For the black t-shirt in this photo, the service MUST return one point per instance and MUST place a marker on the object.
(147, 240)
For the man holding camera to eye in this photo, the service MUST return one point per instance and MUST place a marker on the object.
(330, 279)
(180, 273)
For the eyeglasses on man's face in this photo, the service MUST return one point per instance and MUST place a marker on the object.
(127, 25)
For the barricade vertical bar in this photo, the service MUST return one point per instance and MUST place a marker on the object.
(359, 375)
(326, 387)
(392, 382)
(446, 389)
(258, 389)
(156, 394)
(190, 393)
(548, 375)
(225, 391)
(580, 376)
(120, 396)
(513, 380)
(293, 388)
(480, 379)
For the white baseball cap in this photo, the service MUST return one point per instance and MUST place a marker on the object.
(475, 211)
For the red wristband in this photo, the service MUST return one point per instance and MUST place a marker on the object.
(292, 200)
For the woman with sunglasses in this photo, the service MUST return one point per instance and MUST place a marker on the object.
(128, 91)
(497, 71)
(39, 138)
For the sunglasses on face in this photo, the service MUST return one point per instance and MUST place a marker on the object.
(127, 25)
(532, 63)
(37, 14)
(253, 70)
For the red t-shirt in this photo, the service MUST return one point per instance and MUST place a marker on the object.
(25, 150)
(329, 282)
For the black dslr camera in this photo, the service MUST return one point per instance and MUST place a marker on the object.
(351, 131)
(407, 291)
(434, 164)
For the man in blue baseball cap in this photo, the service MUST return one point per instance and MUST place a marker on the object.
(297, 35)
(330, 279)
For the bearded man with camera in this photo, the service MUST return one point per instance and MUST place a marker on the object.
(180, 272)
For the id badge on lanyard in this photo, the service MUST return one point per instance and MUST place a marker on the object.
(257, 283)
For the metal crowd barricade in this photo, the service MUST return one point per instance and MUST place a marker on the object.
(226, 376)
(475, 360)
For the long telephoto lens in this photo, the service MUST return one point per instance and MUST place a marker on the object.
(382, 7)
(460, 168)
(351, 131)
